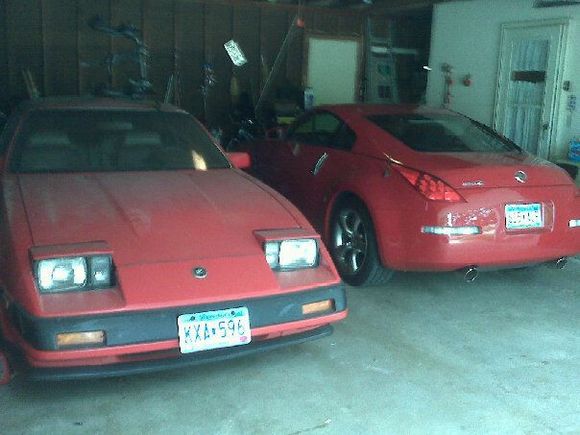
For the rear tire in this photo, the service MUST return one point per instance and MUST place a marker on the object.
(353, 246)
(5, 371)
(5, 368)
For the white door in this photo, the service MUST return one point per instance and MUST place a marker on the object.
(333, 69)
(530, 73)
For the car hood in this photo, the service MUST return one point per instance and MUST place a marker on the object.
(154, 216)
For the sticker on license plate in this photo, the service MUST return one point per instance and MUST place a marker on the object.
(214, 329)
(523, 216)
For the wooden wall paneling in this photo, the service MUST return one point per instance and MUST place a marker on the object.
(218, 30)
(4, 82)
(159, 34)
(60, 38)
(189, 43)
(125, 12)
(246, 32)
(350, 24)
(93, 46)
(274, 26)
(326, 22)
(295, 54)
(24, 43)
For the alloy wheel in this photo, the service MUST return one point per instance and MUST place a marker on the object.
(350, 241)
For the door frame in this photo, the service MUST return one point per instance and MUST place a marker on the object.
(554, 104)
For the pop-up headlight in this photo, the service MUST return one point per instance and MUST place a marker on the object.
(73, 273)
(291, 254)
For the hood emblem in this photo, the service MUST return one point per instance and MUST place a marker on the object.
(199, 272)
(477, 183)
(521, 177)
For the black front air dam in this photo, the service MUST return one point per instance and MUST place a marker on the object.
(196, 358)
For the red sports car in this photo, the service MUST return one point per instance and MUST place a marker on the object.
(130, 244)
(419, 189)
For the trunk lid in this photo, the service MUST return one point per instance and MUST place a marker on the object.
(488, 170)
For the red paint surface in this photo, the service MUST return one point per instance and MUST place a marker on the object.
(157, 226)
(398, 211)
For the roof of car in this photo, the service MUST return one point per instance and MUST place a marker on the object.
(95, 103)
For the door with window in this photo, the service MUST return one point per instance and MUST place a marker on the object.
(321, 146)
(531, 59)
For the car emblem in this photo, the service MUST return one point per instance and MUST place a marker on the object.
(521, 177)
(199, 272)
(477, 183)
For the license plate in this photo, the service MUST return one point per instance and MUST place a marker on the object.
(523, 216)
(214, 329)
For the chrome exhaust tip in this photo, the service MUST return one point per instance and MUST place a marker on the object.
(561, 263)
(470, 273)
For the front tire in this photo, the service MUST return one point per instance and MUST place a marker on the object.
(353, 246)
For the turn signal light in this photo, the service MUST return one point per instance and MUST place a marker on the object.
(318, 307)
(428, 185)
(69, 339)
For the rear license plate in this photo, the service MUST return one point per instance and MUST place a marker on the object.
(523, 216)
(214, 329)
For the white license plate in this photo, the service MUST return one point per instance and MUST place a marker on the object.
(523, 216)
(214, 329)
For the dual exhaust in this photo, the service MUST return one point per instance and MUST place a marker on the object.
(471, 273)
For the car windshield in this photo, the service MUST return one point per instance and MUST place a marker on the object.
(443, 133)
(113, 140)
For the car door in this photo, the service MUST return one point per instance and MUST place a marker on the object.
(320, 157)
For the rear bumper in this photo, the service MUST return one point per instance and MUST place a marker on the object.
(175, 362)
(148, 340)
(446, 253)
(409, 248)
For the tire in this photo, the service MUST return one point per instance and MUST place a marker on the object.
(353, 246)
(5, 369)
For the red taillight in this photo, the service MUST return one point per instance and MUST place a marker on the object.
(428, 185)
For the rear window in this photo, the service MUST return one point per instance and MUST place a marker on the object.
(99, 141)
(442, 133)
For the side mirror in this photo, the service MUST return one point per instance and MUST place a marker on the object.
(276, 133)
(240, 160)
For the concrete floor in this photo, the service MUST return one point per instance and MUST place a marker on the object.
(426, 354)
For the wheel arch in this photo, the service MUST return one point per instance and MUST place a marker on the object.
(346, 195)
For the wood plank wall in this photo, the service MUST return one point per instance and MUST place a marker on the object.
(52, 39)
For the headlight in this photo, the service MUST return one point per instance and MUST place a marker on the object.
(291, 254)
(74, 273)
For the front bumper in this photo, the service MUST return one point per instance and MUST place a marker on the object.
(175, 362)
(148, 340)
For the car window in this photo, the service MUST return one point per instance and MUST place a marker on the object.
(317, 129)
(442, 133)
(344, 139)
(108, 140)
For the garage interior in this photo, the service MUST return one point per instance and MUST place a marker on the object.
(426, 353)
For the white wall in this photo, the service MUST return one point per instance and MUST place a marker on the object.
(466, 35)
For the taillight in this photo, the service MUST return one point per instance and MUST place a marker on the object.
(428, 185)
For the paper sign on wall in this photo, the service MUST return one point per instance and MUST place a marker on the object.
(235, 52)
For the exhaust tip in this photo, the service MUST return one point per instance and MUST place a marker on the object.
(561, 263)
(470, 273)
